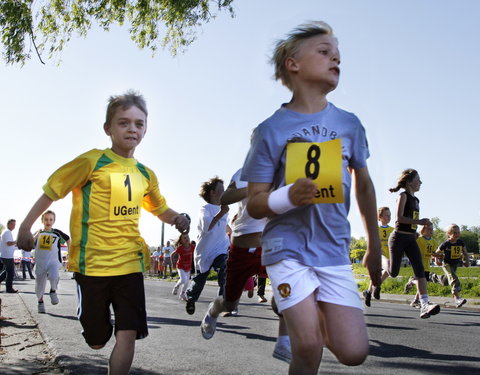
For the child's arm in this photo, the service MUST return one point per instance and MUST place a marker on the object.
(402, 200)
(365, 194)
(25, 238)
(259, 205)
(233, 195)
(223, 210)
(466, 263)
(174, 218)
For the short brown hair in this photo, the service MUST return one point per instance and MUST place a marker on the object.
(49, 212)
(209, 186)
(129, 99)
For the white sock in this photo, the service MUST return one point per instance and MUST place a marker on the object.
(424, 298)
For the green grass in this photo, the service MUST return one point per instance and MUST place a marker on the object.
(469, 278)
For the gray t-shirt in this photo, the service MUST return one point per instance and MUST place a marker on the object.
(317, 234)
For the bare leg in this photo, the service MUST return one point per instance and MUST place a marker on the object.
(305, 336)
(122, 353)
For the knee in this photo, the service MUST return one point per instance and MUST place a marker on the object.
(353, 357)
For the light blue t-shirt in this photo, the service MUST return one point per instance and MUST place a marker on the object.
(317, 234)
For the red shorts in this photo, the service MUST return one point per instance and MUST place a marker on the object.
(241, 264)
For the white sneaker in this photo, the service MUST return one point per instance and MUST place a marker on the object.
(283, 353)
(429, 309)
(41, 308)
(209, 324)
(54, 298)
(459, 303)
(175, 290)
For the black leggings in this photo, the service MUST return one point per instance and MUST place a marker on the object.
(400, 243)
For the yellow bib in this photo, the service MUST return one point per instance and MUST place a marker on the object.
(322, 162)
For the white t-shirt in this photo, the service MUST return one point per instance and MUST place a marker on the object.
(26, 256)
(211, 243)
(167, 251)
(157, 253)
(244, 223)
(7, 251)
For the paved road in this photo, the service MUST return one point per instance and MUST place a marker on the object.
(401, 343)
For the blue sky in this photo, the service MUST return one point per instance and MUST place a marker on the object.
(410, 72)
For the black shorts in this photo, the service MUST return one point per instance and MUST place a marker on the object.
(125, 293)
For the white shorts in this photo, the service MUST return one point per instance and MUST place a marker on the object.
(292, 282)
(385, 262)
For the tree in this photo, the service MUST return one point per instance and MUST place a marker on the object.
(470, 238)
(357, 254)
(47, 26)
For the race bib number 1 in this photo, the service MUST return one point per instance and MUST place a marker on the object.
(322, 162)
(126, 195)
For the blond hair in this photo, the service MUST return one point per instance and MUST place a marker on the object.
(450, 228)
(289, 46)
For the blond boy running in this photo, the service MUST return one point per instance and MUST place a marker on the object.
(108, 255)
(300, 168)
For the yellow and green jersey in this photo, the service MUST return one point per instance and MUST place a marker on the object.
(427, 247)
(108, 192)
(384, 232)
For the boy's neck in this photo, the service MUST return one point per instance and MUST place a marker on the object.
(123, 153)
(307, 102)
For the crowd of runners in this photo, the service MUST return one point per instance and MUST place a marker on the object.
(293, 195)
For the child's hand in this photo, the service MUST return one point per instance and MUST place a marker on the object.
(302, 192)
(182, 224)
(425, 221)
(24, 239)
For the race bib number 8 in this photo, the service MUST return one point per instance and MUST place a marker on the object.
(322, 162)
(45, 242)
(126, 195)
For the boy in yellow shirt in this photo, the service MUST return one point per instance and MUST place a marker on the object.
(107, 254)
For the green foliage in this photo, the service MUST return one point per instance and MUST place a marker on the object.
(152, 23)
(471, 240)
(469, 278)
(357, 254)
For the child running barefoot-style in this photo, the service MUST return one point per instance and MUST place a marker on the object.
(384, 216)
(452, 251)
(299, 170)
(48, 258)
(107, 253)
(404, 237)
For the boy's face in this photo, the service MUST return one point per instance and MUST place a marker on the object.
(316, 62)
(48, 221)
(385, 217)
(127, 129)
(216, 194)
(427, 230)
(454, 233)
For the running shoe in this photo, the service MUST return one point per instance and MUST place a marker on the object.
(409, 284)
(283, 353)
(54, 298)
(416, 304)
(429, 309)
(41, 308)
(368, 297)
(459, 303)
(250, 293)
(262, 299)
(190, 307)
(376, 292)
(209, 324)
(175, 290)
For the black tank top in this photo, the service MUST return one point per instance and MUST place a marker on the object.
(411, 210)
